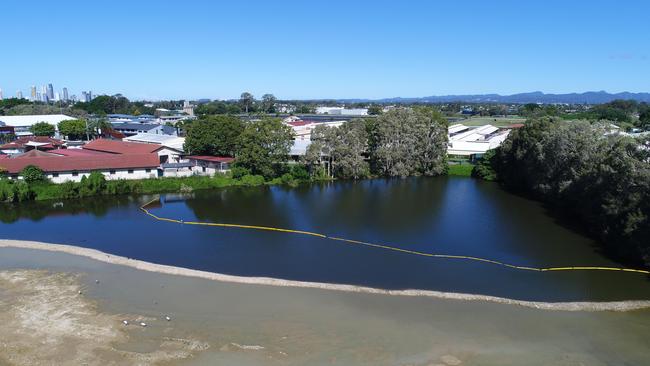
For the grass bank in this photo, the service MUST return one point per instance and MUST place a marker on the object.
(96, 185)
(460, 170)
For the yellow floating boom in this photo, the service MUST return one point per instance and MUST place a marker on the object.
(392, 248)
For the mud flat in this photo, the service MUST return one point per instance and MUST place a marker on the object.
(43, 318)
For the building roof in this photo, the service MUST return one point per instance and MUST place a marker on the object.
(34, 154)
(81, 163)
(173, 142)
(134, 126)
(27, 121)
(213, 159)
(120, 147)
(41, 141)
(76, 152)
(299, 123)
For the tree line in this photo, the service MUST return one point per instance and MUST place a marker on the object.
(399, 143)
(578, 168)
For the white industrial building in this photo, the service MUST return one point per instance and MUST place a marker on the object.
(474, 141)
(170, 141)
(22, 124)
(342, 111)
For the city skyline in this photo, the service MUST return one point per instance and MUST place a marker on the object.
(48, 93)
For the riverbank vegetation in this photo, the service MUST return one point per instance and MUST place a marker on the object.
(95, 184)
(577, 168)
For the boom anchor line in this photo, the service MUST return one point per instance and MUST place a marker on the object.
(392, 248)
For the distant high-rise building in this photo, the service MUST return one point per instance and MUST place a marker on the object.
(33, 93)
(57, 96)
(86, 96)
(1, 96)
(50, 91)
(65, 94)
(43, 93)
(19, 94)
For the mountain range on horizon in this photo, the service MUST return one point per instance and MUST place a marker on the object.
(590, 97)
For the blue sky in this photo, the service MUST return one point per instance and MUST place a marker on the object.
(324, 49)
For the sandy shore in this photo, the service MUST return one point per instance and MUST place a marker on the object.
(46, 319)
(159, 268)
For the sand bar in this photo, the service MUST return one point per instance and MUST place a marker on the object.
(165, 269)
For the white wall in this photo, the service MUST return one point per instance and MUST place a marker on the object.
(140, 173)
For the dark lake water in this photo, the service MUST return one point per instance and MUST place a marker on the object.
(447, 215)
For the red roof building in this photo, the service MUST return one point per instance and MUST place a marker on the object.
(120, 147)
(60, 164)
(27, 143)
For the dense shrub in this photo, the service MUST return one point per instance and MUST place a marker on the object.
(252, 180)
(483, 168)
(237, 172)
(32, 174)
(299, 172)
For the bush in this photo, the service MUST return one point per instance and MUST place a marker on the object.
(287, 179)
(32, 174)
(300, 172)
(238, 172)
(94, 185)
(118, 187)
(320, 173)
(484, 168)
(22, 192)
(252, 180)
(6, 190)
(69, 190)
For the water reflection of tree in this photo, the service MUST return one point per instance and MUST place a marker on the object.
(384, 205)
(36, 211)
(246, 205)
(381, 205)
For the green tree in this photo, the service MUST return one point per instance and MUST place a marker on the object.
(268, 103)
(74, 129)
(42, 129)
(214, 135)
(32, 174)
(484, 167)
(408, 142)
(601, 180)
(375, 110)
(246, 101)
(644, 119)
(264, 144)
(344, 147)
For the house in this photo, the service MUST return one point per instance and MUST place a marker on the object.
(24, 144)
(130, 128)
(60, 168)
(210, 164)
(22, 124)
(6, 131)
